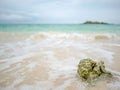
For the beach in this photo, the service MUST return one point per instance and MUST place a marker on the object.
(48, 60)
(59, 44)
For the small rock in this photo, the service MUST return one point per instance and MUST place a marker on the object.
(89, 70)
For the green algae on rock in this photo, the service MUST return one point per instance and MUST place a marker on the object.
(89, 70)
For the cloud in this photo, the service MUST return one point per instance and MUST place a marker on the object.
(11, 17)
(59, 11)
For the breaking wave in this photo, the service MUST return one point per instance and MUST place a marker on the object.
(73, 36)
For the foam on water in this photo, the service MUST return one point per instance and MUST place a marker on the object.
(58, 55)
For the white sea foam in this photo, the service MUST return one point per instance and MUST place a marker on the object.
(70, 46)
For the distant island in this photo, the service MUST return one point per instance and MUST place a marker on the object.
(94, 22)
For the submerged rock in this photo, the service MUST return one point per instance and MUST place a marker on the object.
(89, 70)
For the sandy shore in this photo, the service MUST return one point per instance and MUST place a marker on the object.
(48, 61)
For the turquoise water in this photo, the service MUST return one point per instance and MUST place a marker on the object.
(61, 28)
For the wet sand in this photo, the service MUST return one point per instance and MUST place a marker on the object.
(48, 60)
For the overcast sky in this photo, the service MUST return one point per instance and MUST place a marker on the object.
(59, 11)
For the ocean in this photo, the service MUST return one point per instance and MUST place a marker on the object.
(45, 57)
(112, 28)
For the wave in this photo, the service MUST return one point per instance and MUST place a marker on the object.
(75, 36)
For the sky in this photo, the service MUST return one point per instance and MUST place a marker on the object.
(59, 11)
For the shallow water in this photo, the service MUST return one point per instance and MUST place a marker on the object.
(81, 28)
(48, 60)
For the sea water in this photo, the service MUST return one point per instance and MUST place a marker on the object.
(45, 57)
(61, 28)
